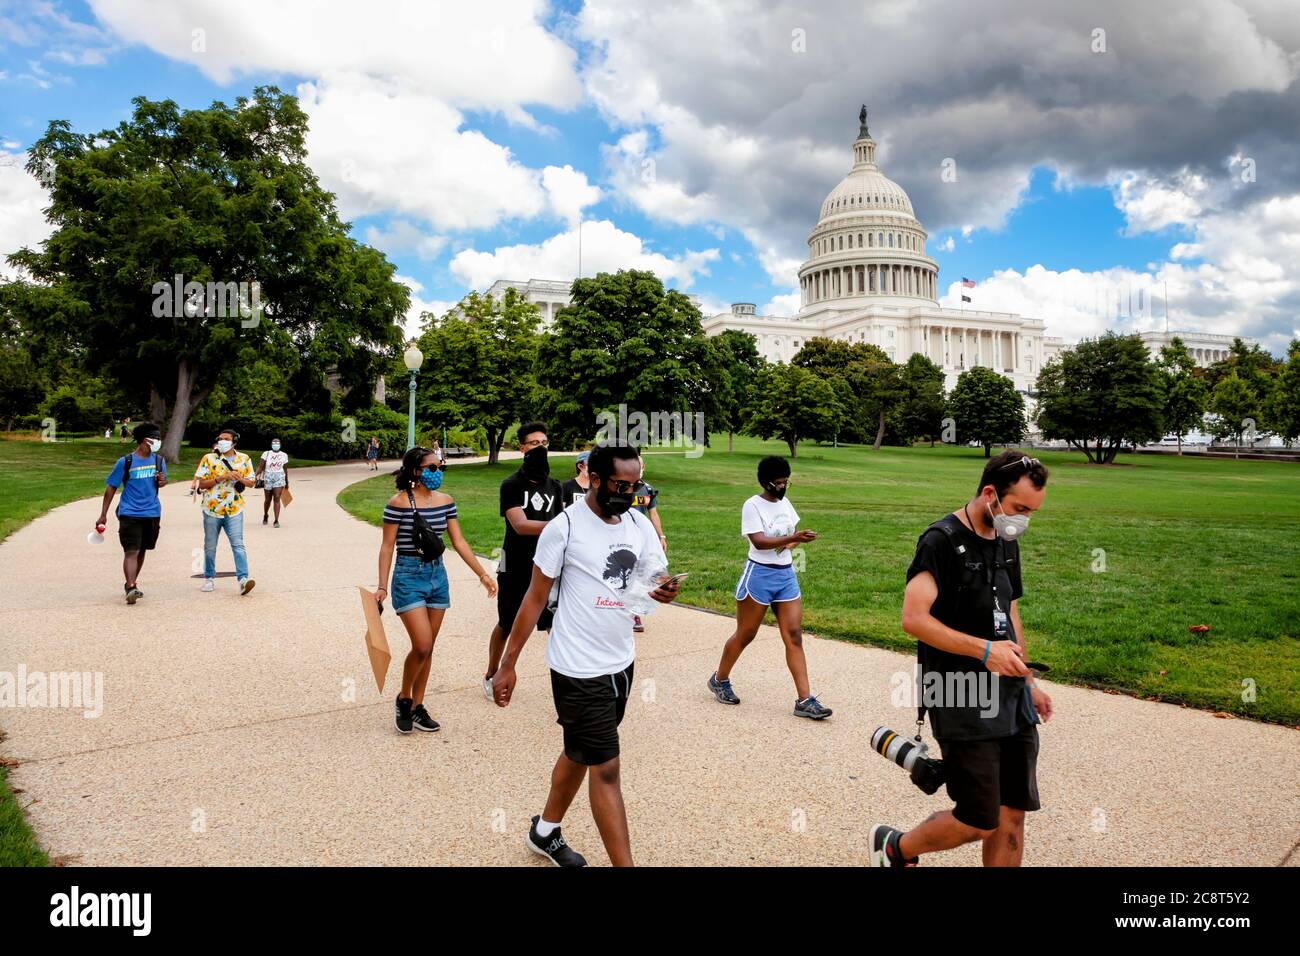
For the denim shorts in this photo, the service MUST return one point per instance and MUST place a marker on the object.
(419, 583)
(767, 583)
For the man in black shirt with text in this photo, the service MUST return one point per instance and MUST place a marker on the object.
(961, 604)
(529, 498)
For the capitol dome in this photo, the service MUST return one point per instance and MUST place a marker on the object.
(868, 245)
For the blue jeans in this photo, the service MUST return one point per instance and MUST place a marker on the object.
(234, 528)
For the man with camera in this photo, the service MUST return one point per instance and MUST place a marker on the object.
(961, 604)
(223, 475)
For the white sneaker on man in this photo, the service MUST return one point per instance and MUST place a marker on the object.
(208, 585)
(245, 585)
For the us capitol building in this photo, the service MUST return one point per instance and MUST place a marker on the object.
(868, 279)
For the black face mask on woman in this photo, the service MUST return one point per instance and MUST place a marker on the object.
(611, 502)
(536, 467)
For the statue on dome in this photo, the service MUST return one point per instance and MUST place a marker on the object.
(862, 121)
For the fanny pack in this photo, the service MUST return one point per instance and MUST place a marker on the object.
(427, 541)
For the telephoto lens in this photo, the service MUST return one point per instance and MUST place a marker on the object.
(926, 772)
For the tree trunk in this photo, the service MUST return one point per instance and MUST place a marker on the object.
(880, 430)
(182, 408)
(494, 444)
(1180, 443)
(988, 447)
(793, 442)
(157, 405)
(731, 442)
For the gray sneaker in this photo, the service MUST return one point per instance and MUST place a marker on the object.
(208, 585)
(811, 708)
(722, 690)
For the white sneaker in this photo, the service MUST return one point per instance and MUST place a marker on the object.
(245, 585)
(487, 689)
(208, 585)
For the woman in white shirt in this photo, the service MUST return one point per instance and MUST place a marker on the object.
(769, 521)
(275, 478)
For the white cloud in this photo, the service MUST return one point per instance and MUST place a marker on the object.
(568, 192)
(787, 304)
(605, 248)
(402, 236)
(1151, 203)
(22, 223)
(411, 323)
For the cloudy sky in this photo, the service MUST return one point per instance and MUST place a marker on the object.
(1103, 152)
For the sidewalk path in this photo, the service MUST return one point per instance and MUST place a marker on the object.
(249, 730)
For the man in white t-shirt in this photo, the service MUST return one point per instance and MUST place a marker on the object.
(769, 521)
(593, 547)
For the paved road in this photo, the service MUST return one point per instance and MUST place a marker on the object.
(249, 730)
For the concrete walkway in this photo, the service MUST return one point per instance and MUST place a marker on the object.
(249, 730)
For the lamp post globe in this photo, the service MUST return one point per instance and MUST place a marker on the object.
(413, 358)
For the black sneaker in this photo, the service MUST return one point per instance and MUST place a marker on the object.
(265, 518)
(133, 594)
(404, 720)
(811, 708)
(885, 851)
(722, 690)
(420, 717)
(553, 847)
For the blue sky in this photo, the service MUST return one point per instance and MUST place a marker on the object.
(723, 233)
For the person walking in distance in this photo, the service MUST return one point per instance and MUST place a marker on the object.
(576, 487)
(139, 513)
(592, 549)
(529, 499)
(223, 475)
(274, 473)
(421, 594)
(768, 579)
(372, 453)
(962, 604)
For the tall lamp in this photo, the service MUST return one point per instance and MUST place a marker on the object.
(413, 358)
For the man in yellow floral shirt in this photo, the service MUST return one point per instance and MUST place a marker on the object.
(222, 475)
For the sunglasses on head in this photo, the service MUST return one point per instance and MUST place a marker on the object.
(1027, 463)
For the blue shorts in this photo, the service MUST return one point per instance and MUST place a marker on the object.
(417, 583)
(767, 583)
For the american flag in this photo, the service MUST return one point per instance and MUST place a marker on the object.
(967, 283)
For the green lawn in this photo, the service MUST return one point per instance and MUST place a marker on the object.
(36, 476)
(1186, 541)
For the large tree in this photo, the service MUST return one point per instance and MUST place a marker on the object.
(792, 403)
(479, 359)
(1284, 407)
(623, 340)
(1100, 395)
(1236, 409)
(219, 195)
(871, 386)
(1184, 390)
(986, 408)
(919, 414)
(741, 364)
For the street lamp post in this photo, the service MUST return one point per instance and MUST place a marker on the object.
(413, 358)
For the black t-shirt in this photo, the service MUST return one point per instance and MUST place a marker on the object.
(961, 708)
(571, 491)
(541, 501)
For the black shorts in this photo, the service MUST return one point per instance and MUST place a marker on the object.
(511, 589)
(984, 775)
(590, 710)
(137, 534)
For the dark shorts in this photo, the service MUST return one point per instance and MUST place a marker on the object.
(511, 589)
(590, 710)
(984, 775)
(137, 534)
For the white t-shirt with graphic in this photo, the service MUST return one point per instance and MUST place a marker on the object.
(592, 633)
(275, 461)
(773, 518)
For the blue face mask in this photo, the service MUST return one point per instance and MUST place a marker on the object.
(431, 479)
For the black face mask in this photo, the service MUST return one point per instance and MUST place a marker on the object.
(775, 492)
(536, 467)
(612, 503)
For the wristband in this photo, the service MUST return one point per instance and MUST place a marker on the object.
(987, 646)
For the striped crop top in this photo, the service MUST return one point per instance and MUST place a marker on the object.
(436, 517)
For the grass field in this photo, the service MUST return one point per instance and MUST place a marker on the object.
(36, 476)
(1184, 542)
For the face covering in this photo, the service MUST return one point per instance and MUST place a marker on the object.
(275, 446)
(225, 445)
(612, 503)
(431, 479)
(1008, 527)
(536, 467)
(776, 492)
(154, 444)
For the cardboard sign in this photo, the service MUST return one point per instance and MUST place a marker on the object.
(376, 639)
(286, 497)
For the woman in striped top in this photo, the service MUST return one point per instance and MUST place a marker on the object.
(420, 592)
